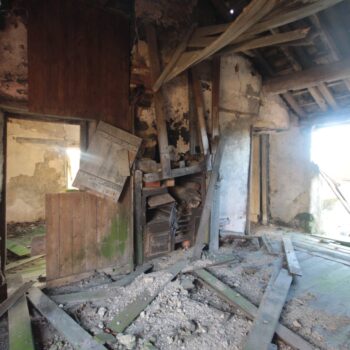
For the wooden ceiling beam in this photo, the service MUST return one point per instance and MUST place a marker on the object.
(309, 78)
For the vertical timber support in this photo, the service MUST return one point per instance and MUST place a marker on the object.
(264, 176)
(138, 217)
(215, 219)
(162, 132)
(3, 128)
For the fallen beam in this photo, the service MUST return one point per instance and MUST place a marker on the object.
(14, 297)
(309, 77)
(97, 294)
(19, 323)
(64, 324)
(133, 310)
(21, 262)
(269, 312)
(250, 310)
(293, 263)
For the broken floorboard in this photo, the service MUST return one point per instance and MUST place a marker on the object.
(269, 312)
(17, 249)
(71, 331)
(270, 247)
(14, 297)
(293, 263)
(133, 310)
(249, 309)
(96, 294)
(22, 262)
(19, 323)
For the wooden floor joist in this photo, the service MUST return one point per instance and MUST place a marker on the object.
(19, 323)
(14, 297)
(250, 310)
(62, 322)
(293, 263)
(266, 320)
(101, 293)
(133, 310)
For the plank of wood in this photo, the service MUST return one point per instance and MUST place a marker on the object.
(254, 12)
(266, 320)
(250, 310)
(309, 77)
(178, 172)
(293, 263)
(160, 199)
(200, 108)
(174, 58)
(215, 220)
(162, 132)
(215, 101)
(204, 220)
(22, 262)
(100, 293)
(64, 324)
(19, 323)
(264, 41)
(133, 310)
(268, 245)
(17, 249)
(138, 216)
(275, 21)
(14, 297)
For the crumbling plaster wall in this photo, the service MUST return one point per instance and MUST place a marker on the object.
(290, 175)
(13, 58)
(37, 164)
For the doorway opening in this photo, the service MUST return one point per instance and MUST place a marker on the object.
(41, 157)
(331, 188)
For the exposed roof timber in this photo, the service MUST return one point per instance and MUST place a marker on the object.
(277, 21)
(288, 97)
(328, 40)
(254, 19)
(309, 78)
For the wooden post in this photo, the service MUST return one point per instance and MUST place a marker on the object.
(138, 217)
(204, 220)
(3, 138)
(162, 132)
(264, 141)
(215, 102)
(215, 220)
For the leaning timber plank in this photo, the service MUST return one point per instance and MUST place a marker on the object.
(293, 263)
(64, 324)
(269, 40)
(193, 169)
(174, 58)
(204, 220)
(255, 43)
(19, 323)
(101, 293)
(162, 132)
(276, 21)
(21, 262)
(309, 77)
(14, 297)
(250, 310)
(17, 249)
(251, 14)
(269, 312)
(133, 310)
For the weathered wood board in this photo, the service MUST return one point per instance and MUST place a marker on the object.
(84, 233)
(106, 165)
(78, 58)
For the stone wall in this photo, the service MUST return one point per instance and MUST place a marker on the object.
(37, 163)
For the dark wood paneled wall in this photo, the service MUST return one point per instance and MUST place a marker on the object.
(78, 59)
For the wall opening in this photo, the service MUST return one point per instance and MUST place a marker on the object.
(330, 194)
(42, 157)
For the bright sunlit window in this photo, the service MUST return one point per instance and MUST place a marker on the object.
(73, 155)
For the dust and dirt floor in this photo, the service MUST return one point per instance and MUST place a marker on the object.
(188, 315)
